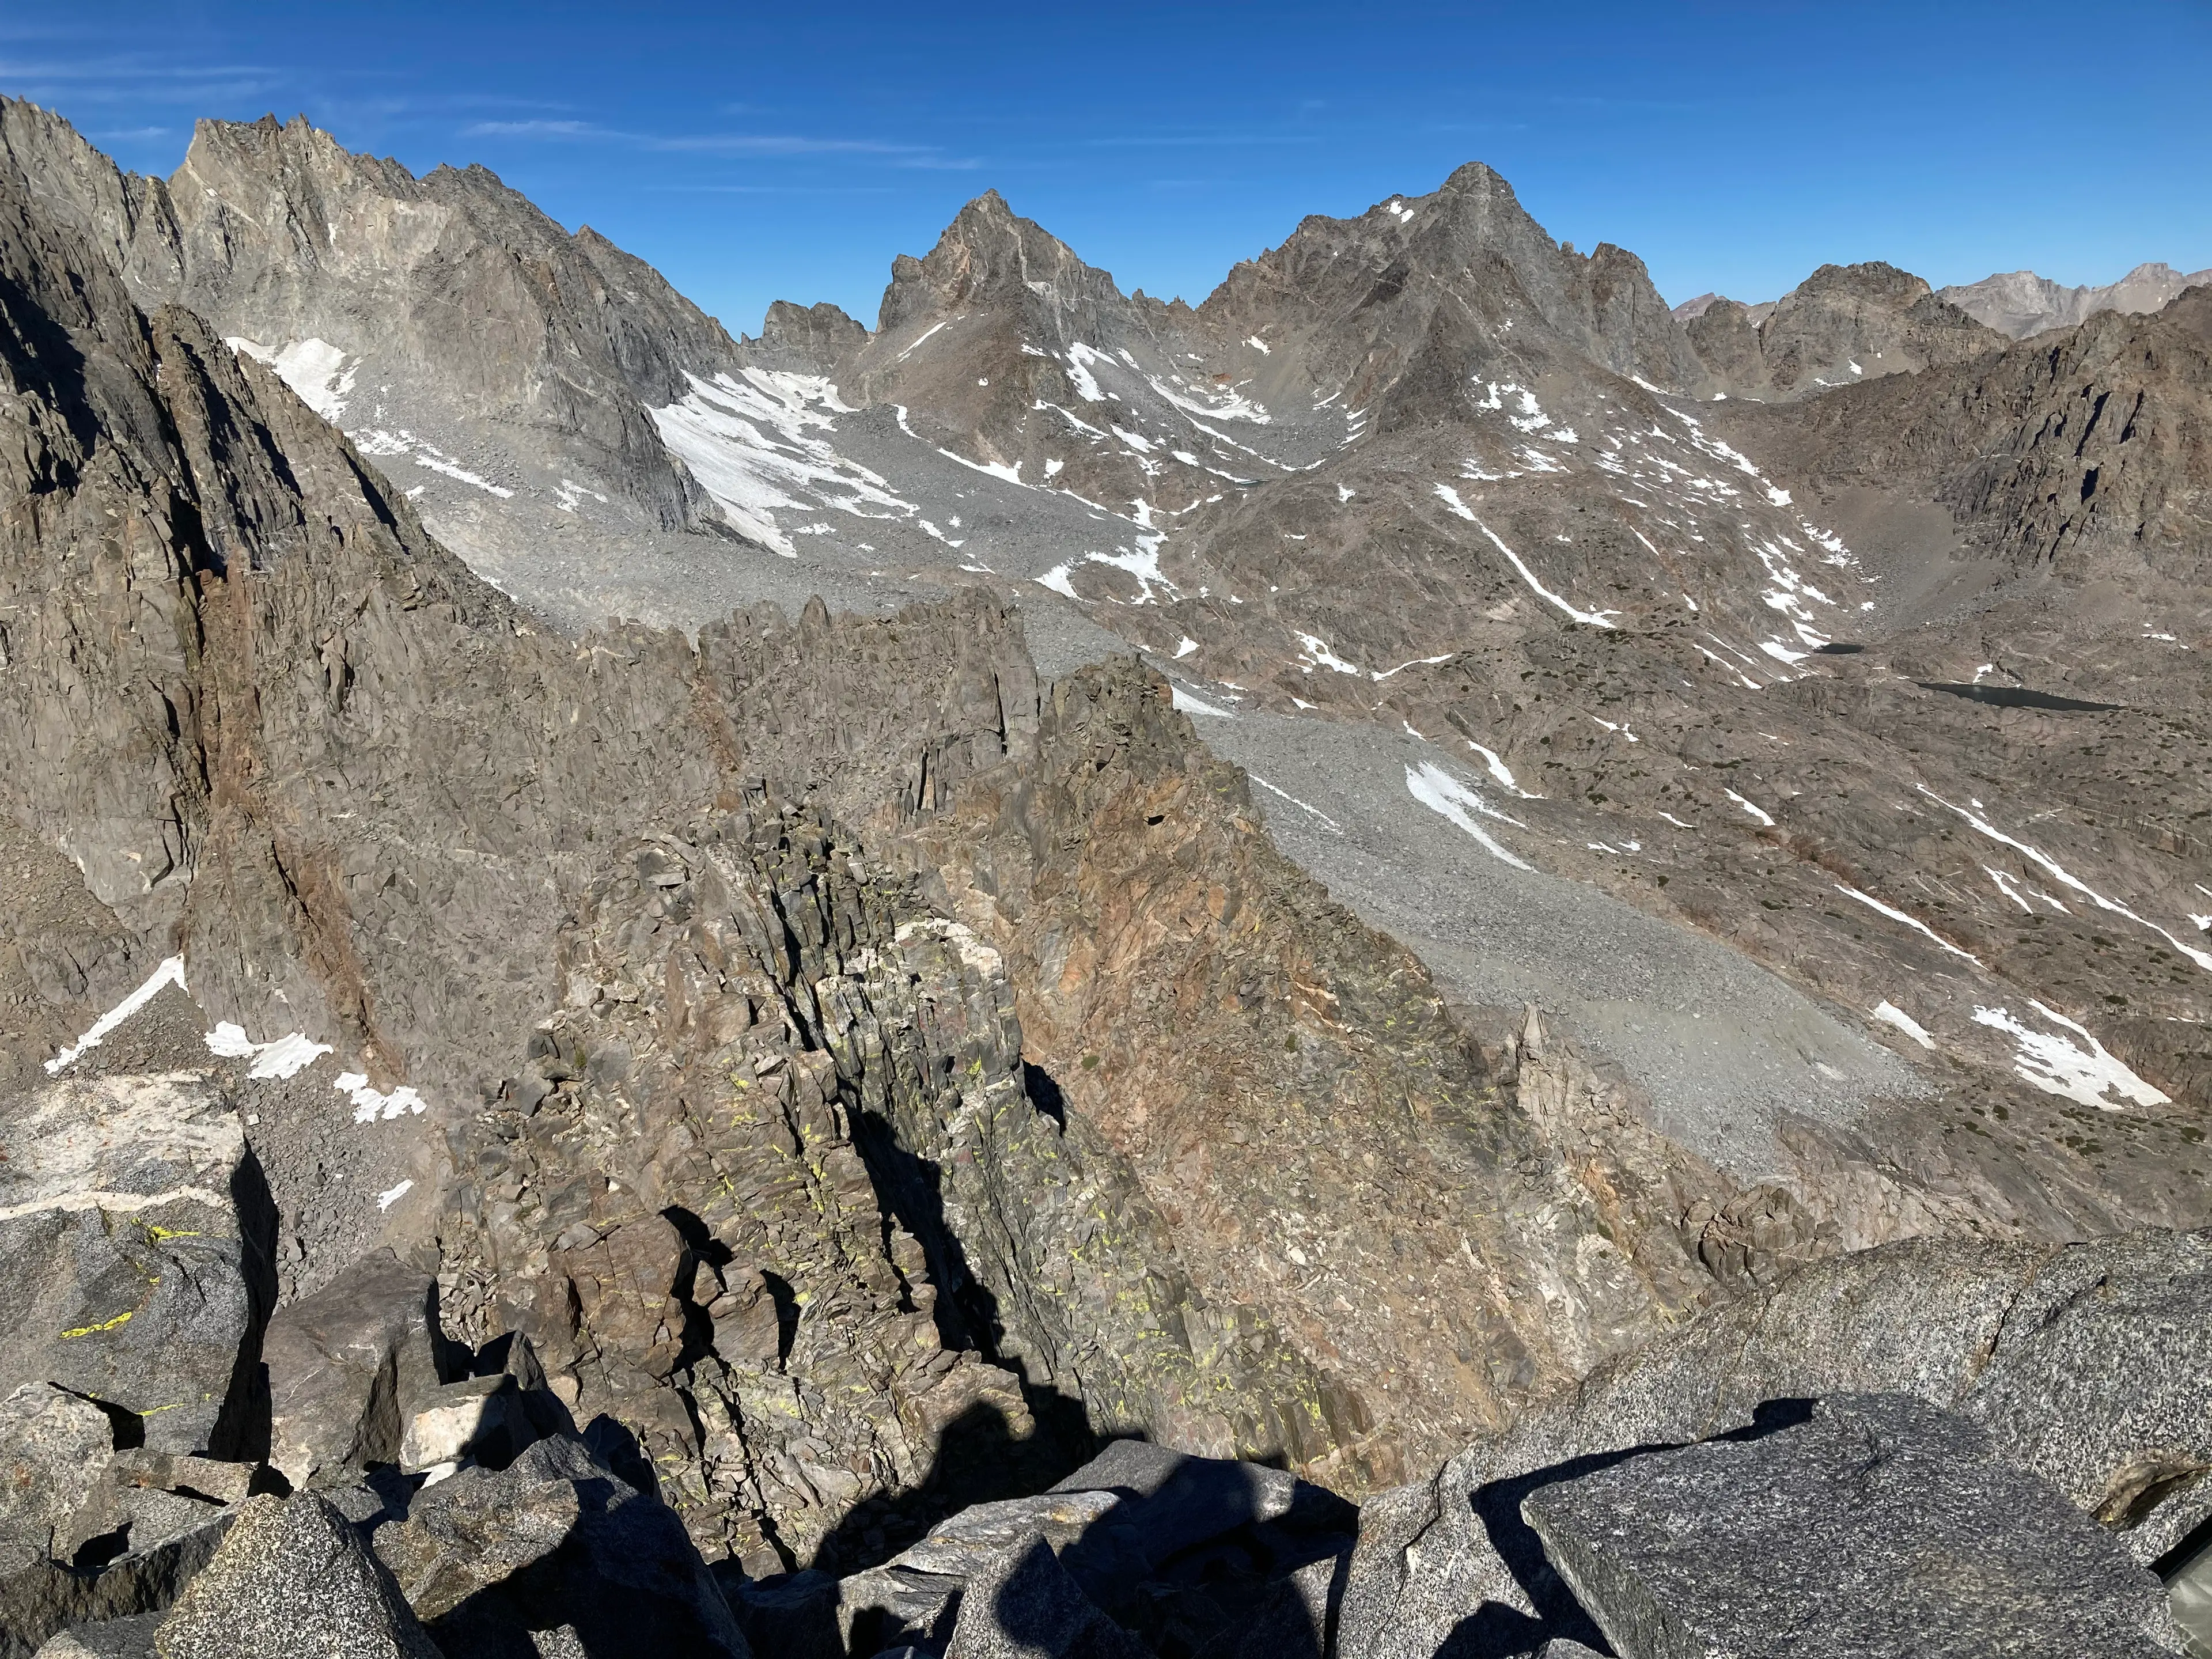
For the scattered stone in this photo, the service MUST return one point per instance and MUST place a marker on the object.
(123, 1551)
(346, 1366)
(555, 1539)
(480, 1417)
(119, 1639)
(54, 1447)
(1881, 1527)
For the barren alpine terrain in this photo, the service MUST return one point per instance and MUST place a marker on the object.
(1426, 960)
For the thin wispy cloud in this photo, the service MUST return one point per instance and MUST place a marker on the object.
(713, 144)
(538, 130)
(1200, 140)
(129, 68)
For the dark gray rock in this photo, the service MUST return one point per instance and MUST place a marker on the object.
(346, 1367)
(132, 1268)
(1881, 1527)
(2101, 1382)
(490, 1558)
(2083, 1362)
(1171, 1501)
(1024, 1606)
(794, 1616)
(165, 1540)
(915, 1595)
(292, 1577)
(1291, 1620)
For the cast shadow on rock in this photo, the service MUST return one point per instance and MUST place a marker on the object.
(979, 1460)
(1495, 1630)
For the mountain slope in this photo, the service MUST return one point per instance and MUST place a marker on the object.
(1842, 324)
(1601, 694)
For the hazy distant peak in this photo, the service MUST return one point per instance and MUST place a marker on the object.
(2020, 303)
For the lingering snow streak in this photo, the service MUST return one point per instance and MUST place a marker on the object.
(1913, 922)
(2058, 1065)
(311, 367)
(171, 972)
(1759, 812)
(376, 440)
(1444, 794)
(1890, 1013)
(391, 1196)
(749, 444)
(286, 1057)
(1450, 496)
(2050, 866)
(1498, 770)
(1334, 829)
(1191, 705)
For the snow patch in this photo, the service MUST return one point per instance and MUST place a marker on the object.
(314, 368)
(750, 444)
(1191, 705)
(1444, 794)
(1913, 922)
(2058, 1065)
(1759, 812)
(1317, 654)
(368, 1105)
(288, 1056)
(1893, 1015)
(171, 972)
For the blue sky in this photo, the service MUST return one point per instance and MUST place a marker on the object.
(756, 152)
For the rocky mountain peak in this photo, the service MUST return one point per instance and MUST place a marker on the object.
(990, 256)
(1841, 324)
(819, 337)
(1470, 247)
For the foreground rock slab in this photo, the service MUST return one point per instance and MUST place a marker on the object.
(1881, 1526)
(1024, 1606)
(292, 1578)
(553, 1542)
(131, 1270)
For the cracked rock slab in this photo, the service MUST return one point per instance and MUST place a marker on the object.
(1881, 1526)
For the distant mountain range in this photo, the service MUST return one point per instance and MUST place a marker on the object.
(2019, 303)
